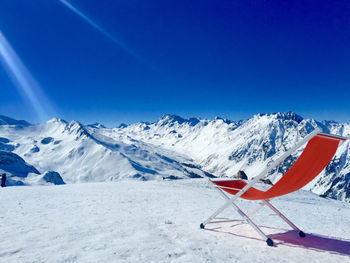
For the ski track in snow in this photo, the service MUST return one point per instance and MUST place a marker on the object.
(158, 221)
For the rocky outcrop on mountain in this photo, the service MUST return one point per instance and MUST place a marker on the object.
(53, 177)
(47, 140)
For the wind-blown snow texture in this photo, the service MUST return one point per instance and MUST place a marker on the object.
(158, 221)
(174, 147)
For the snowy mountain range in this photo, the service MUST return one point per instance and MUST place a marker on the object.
(81, 154)
(174, 147)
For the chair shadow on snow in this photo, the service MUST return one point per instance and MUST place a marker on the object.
(315, 242)
(291, 238)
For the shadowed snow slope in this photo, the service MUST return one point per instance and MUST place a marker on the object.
(12, 163)
(9, 121)
(158, 221)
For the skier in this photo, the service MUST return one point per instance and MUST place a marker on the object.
(3, 180)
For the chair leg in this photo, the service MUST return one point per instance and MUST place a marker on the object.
(253, 225)
(285, 219)
(218, 211)
(245, 217)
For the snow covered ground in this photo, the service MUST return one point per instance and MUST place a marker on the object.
(158, 221)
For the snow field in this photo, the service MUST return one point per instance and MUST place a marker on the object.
(158, 221)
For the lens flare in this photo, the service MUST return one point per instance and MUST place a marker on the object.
(105, 33)
(26, 85)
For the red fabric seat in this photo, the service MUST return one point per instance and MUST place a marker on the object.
(318, 152)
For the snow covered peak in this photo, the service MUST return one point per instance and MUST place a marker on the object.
(224, 120)
(283, 116)
(96, 125)
(290, 115)
(170, 120)
(122, 125)
(57, 120)
(77, 128)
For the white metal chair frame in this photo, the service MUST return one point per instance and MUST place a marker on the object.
(231, 200)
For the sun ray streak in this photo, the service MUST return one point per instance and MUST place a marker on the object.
(26, 85)
(105, 33)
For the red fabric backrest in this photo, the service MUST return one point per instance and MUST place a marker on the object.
(318, 152)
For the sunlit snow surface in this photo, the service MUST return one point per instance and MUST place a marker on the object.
(134, 221)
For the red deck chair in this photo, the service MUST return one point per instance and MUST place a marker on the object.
(318, 152)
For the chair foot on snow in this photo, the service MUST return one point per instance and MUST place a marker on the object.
(269, 242)
(302, 234)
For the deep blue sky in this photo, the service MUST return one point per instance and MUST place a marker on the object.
(192, 58)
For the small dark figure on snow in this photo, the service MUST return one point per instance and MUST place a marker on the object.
(241, 174)
(3, 180)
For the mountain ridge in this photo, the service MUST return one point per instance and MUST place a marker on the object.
(161, 149)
